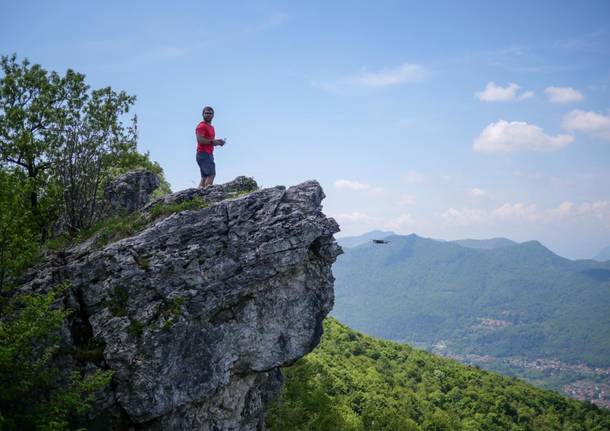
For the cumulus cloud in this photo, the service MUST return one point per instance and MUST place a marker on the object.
(393, 76)
(588, 122)
(519, 211)
(464, 216)
(585, 212)
(565, 212)
(563, 94)
(477, 193)
(506, 137)
(598, 209)
(353, 217)
(413, 177)
(406, 200)
(403, 220)
(497, 93)
(356, 186)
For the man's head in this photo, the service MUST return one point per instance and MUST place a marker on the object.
(208, 114)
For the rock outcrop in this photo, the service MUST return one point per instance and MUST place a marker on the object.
(197, 311)
(129, 192)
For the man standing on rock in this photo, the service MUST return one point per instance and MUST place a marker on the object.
(205, 147)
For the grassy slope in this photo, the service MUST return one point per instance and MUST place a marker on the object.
(355, 382)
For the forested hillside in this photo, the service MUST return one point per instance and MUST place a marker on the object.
(516, 300)
(355, 382)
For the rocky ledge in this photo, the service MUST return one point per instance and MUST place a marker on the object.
(196, 312)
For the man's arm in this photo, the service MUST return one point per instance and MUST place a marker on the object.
(206, 141)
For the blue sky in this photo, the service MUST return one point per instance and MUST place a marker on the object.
(447, 119)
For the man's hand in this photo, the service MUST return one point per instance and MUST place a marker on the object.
(220, 142)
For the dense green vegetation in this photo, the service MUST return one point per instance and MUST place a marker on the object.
(355, 382)
(60, 143)
(516, 300)
(35, 392)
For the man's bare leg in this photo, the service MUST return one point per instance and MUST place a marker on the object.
(208, 181)
(202, 183)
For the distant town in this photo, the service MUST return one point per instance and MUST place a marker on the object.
(586, 383)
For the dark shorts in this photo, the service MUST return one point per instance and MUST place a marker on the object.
(206, 164)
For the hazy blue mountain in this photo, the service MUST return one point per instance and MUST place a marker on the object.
(355, 241)
(518, 300)
(486, 244)
(603, 255)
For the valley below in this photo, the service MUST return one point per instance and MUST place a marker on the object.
(513, 308)
(579, 381)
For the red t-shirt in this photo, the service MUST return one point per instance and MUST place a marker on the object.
(207, 131)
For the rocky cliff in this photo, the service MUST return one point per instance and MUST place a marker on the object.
(196, 311)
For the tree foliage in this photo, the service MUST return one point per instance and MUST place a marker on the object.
(67, 139)
(61, 142)
(36, 394)
(18, 243)
(355, 382)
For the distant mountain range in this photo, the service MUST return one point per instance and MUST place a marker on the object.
(488, 244)
(355, 241)
(485, 244)
(481, 297)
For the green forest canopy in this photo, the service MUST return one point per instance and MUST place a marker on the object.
(355, 382)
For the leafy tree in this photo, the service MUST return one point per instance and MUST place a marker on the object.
(18, 241)
(31, 100)
(67, 139)
(354, 382)
(35, 394)
(90, 139)
(60, 144)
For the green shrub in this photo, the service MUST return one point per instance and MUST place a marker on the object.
(34, 393)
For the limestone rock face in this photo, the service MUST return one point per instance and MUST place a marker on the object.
(197, 312)
(129, 192)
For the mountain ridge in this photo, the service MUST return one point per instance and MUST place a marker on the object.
(427, 287)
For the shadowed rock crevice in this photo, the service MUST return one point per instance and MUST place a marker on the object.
(196, 312)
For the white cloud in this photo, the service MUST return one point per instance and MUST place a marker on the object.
(563, 94)
(413, 177)
(356, 186)
(496, 93)
(397, 75)
(478, 193)
(519, 211)
(505, 137)
(406, 200)
(587, 122)
(563, 210)
(583, 214)
(526, 95)
(404, 219)
(353, 217)
(599, 209)
(465, 216)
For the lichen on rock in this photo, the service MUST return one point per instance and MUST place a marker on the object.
(198, 310)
